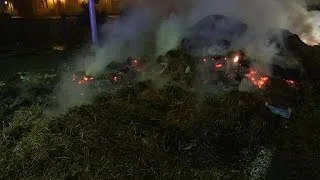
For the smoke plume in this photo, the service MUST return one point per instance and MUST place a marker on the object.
(154, 27)
(168, 36)
(151, 24)
(263, 18)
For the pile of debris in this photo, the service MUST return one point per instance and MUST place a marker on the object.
(233, 70)
(115, 73)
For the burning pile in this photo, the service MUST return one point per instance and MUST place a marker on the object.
(257, 79)
(123, 73)
(82, 79)
(230, 69)
(236, 67)
(137, 63)
(127, 73)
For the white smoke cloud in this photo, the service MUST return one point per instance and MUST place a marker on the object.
(306, 25)
(124, 37)
(170, 19)
(263, 17)
(168, 35)
(155, 27)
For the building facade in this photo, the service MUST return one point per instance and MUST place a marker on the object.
(8, 6)
(70, 7)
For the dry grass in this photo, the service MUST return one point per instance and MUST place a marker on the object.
(141, 132)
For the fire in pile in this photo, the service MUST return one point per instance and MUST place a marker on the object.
(126, 73)
(235, 67)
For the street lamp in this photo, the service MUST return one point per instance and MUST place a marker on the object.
(5, 2)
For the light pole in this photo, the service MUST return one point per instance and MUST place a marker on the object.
(93, 23)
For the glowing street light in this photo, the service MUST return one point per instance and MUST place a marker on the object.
(5, 2)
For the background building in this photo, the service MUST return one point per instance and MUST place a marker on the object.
(30, 8)
(9, 6)
(70, 7)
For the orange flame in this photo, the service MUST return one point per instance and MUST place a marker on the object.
(219, 65)
(257, 79)
(83, 80)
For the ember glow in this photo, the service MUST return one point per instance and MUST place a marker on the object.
(291, 83)
(134, 61)
(137, 63)
(219, 65)
(236, 59)
(204, 60)
(115, 79)
(257, 79)
(83, 79)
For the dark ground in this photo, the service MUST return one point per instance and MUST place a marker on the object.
(31, 45)
(41, 33)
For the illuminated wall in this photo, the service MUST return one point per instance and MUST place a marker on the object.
(9, 7)
(53, 3)
(71, 7)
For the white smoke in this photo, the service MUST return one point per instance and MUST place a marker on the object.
(124, 37)
(261, 16)
(155, 27)
(307, 27)
(127, 36)
(169, 35)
